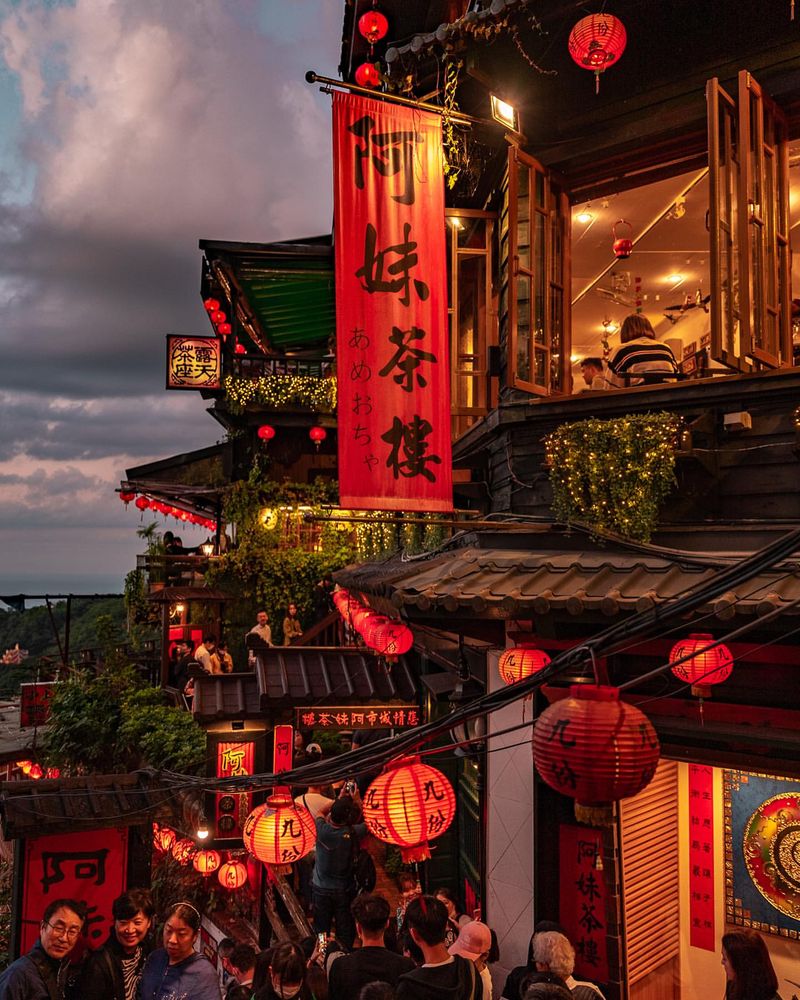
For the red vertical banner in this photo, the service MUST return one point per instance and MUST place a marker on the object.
(392, 348)
(88, 866)
(701, 857)
(234, 759)
(582, 899)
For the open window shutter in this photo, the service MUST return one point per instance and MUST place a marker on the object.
(748, 221)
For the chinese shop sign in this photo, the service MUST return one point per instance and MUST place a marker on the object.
(194, 362)
(88, 866)
(391, 308)
(701, 857)
(582, 899)
(34, 703)
(234, 760)
(365, 717)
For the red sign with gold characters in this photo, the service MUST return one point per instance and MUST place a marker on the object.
(365, 717)
(391, 308)
(234, 759)
(582, 899)
(34, 703)
(88, 866)
(194, 362)
(701, 857)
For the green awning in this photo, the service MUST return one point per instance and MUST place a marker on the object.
(295, 308)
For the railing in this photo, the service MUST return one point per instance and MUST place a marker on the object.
(256, 365)
(328, 631)
(173, 571)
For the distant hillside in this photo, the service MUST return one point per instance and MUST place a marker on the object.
(32, 630)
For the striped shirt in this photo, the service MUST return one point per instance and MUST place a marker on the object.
(642, 355)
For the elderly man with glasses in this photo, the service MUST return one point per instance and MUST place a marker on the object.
(42, 973)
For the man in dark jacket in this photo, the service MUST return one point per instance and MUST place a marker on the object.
(114, 971)
(42, 973)
(372, 962)
(442, 976)
(333, 881)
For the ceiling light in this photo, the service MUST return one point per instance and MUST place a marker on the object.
(675, 279)
(584, 216)
(609, 326)
(574, 359)
(504, 113)
(456, 223)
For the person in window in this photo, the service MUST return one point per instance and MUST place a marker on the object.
(595, 374)
(639, 352)
(114, 971)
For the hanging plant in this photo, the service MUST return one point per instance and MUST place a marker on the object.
(450, 140)
(281, 391)
(613, 474)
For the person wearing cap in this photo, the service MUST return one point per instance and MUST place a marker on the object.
(474, 942)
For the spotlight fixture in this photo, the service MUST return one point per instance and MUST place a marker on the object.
(202, 829)
(505, 113)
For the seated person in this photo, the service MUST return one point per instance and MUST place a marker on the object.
(640, 352)
(595, 374)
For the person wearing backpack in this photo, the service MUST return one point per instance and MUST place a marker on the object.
(114, 971)
(333, 881)
(42, 973)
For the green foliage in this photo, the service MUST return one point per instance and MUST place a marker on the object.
(330, 743)
(6, 882)
(165, 736)
(172, 882)
(613, 474)
(394, 865)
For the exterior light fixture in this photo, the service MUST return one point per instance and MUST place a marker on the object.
(202, 829)
(505, 113)
(584, 216)
(207, 548)
(179, 609)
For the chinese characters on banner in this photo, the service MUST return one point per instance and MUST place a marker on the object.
(34, 703)
(391, 308)
(233, 808)
(365, 717)
(194, 362)
(701, 857)
(88, 866)
(582, 899)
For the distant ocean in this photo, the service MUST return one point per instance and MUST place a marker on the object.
(59, 583)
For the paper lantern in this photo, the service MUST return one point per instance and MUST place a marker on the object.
(218, 316)
(183, 850)
(596, 749)
(239, 348)
(25, 766)
(126, 496)
(367, 75)
(36, 772)
(163, 838)
(280, 831)
(596, 42)
(706, 666)
(232, 875)
(373, 26)
(206, 861)
(390, 638)
(317, 435)
(409, 805)
(521, 662)
(224, 329)
(266, 432)
(142, 503)
(211, 305)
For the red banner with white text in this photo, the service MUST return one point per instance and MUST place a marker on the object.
(391, 308)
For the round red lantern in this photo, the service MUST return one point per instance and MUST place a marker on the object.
(596, 749)
(224, 329)
(596, 42)
(142, 503)
(367, 75)
(266, 432)
(521, 662)
(361, 617)
(183, 850)
(36, 772)
(126, 496)
(239, 348)
(280, 831)
(706, 666)
(232, 875)
(218, 316)
(317, 435)
(409, 805)
(373, 26)
(622, 245)
(206, 862)
(212, 305)
(390, 639)
(53, 772)
(163, 838)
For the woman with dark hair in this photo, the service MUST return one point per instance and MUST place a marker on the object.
(114, 971)
(177, 970)
(455, 920)
(287, 975)
(748, 967)
(640, 352)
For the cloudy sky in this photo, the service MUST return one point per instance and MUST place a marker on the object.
(129, 129)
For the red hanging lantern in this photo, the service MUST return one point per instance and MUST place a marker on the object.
(232, 874)
(218, 316)
(706, 666)
(25, 766)
(142, 503)
(596, 749)
(224, 329)
(409, 805)
(390, 638)
(266, 432)
(53, 772)
(360, 618)
(521, 662)
(596, 42)
(367, 75)
(126, 496)
(317, 435)
(280, 831)
(183, 850)
(373, 26)
(622, 246)
(211, 305)
(239, 348)
(163, 838)
(36, 772)
(206, 862)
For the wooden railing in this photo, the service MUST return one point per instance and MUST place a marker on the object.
(256, 365)
(328, 631)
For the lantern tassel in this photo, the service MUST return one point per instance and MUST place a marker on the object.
(594, 815)
(597, 81)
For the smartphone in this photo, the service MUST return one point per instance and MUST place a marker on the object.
(322, 946)
(350, 787)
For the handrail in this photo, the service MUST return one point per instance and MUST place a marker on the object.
(256, 365)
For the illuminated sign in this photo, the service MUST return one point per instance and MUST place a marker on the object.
(363, 717)
(194, 362)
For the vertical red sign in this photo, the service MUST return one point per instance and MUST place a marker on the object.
(88, 866)
(392, 348)
(232, 808)
(582, 899)
(701, 857)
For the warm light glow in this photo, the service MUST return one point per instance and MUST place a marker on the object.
(504, 113)
(232, 875)
(202, 830)
(574, 359)
(456, 223)
(279, 832)
(675, 279)
(584, 216)
(207, 548)
(179, 609)
(609, 326)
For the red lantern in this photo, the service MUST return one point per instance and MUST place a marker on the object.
(239, 348)
(25, 766)
(706, 666)
(212, 305)
(218, 316)
(280, 831)
(373, 26)
(53, 772)
(596, 42)
(36, 772)
(142, 503)
(595, 748)
(183, 850)
(623, 246)
(367, 75)
(390, 639)
(206, 862)
(232, 875)
(408, 805)
(517, 664)
(317, 435)
(361, 616)
(126, 496)
(224, 329)
(266, 432)
(163, 838)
